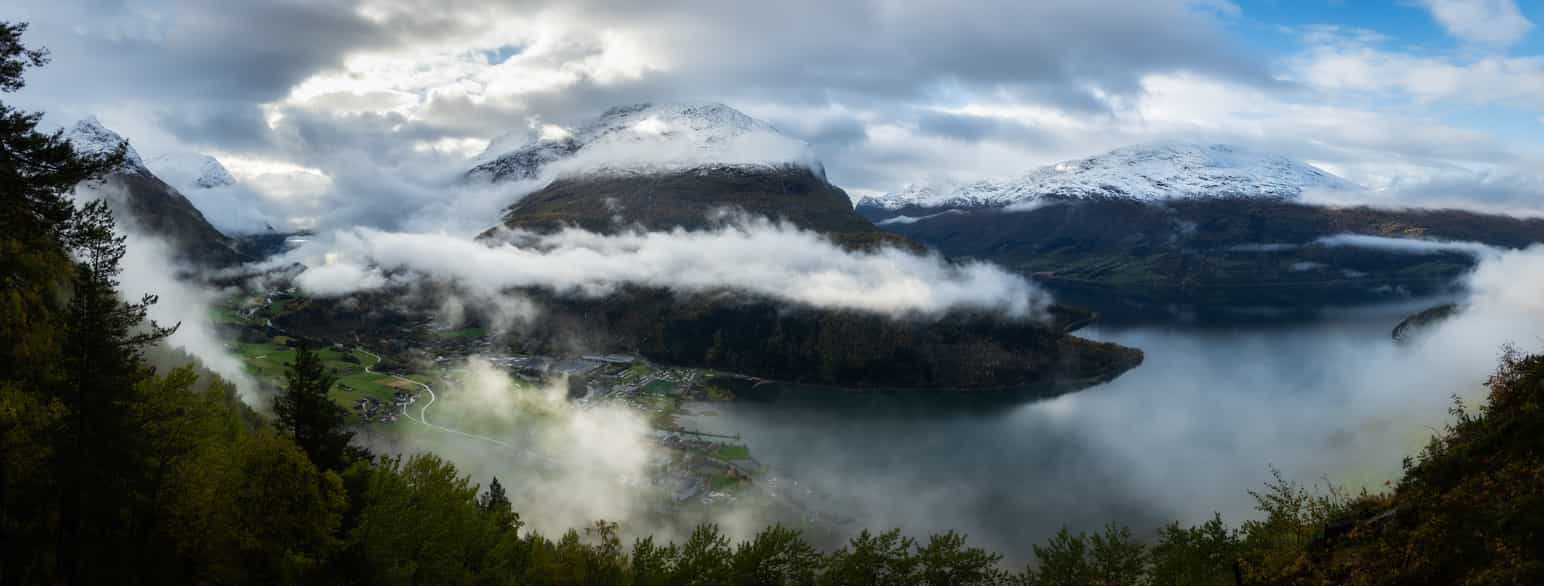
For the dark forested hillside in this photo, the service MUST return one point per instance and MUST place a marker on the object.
(754, 336)
(160, 210)
(1218, 259)
(689, 199)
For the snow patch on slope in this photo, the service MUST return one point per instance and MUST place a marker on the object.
(199, 179)
(648, 138)
(191, 171)
(90, 137)
(1151, 172)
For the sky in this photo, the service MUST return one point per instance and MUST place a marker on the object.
(340, 113)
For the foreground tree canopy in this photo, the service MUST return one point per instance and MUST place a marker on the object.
(124, 462)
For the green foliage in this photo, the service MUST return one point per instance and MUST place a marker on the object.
(1469, 509)
(1294, 518)
(1203, 555)
(306, 413)
(880, 560)
(778, 555)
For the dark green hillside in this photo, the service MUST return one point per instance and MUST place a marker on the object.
(160, 210)
(690, 199)
(758, 337)
(1133, 260)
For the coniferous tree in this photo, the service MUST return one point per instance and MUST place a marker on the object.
(37, 174)
(72, 339)
(305, 413)
(495, 503)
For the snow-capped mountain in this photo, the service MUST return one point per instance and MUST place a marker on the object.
(144, 204)
(216, 193)
(90, 137)
(191, 171)
(648, 137)
(1150, 172)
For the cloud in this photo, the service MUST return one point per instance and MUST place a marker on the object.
(385, 98)
(148, 268)
(564, 465)
(1408, 245)
(1490, 22)
(1359, 67)
(295, 81)
(805, 268)
(1203, 420)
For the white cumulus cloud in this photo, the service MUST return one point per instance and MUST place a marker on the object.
(1492, 22)
(776, 260)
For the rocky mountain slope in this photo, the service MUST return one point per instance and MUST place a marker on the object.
(697, 199)
(141, 199)
(660, 167)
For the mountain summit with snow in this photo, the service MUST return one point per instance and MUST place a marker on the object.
(1149, 172)
(648, 138)
(90, 137)
(191, 171)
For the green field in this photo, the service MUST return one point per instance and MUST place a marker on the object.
(225, 315)
(733, 452)
(660, 387)
(461, 333)
(270, 359)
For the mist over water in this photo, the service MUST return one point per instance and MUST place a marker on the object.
(1200, 423)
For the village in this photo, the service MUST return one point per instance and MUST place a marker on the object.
(692, 468)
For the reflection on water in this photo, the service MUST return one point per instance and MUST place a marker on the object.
(1189, 432)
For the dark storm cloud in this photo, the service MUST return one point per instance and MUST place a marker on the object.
(838, 134)
(193, 50)
(972, 128)
(232, 126)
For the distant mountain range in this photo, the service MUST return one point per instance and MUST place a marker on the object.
(1196, 232)
(1151, 172)
(1147, 232)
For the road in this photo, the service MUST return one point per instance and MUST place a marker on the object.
(423, 413)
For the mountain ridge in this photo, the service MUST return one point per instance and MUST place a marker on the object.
(140, 198)
(190, 171)
(1146, 172)
(648, 137)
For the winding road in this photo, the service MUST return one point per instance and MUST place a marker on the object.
(423, 413)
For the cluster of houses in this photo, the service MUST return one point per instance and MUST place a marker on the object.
(374, 410)
(692, 461)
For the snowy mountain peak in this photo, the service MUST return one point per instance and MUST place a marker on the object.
(191, 171)
(90, 137)
(648, 137)
(1149, 172)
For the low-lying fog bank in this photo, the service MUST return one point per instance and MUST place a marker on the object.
(1201, 422)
